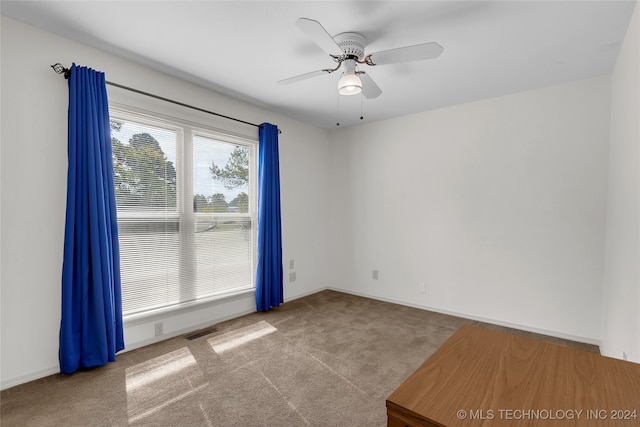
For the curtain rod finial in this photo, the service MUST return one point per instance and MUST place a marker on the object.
(60, 69)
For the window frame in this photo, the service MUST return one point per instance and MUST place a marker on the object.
(185, 213)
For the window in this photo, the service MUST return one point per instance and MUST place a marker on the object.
(186, 200)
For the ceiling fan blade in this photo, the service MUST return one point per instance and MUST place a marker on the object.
(319, 35)
(416, 52)
(303, 77)
(370, 89)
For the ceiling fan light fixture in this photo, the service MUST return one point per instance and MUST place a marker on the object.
(349, 84)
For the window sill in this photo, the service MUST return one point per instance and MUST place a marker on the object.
(162, 313)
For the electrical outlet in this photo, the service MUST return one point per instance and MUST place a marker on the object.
(423, 288)
(158, 327)
(375, 274)
(291, 264)
(292, 276)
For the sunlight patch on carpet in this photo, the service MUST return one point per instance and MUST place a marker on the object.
(241, 336)
(156, 384)
(154, 369)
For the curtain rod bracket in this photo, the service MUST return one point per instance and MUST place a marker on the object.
(61, 69)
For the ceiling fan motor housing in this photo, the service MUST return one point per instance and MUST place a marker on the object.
(352, 44)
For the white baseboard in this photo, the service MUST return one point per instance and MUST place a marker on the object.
(551, 333)
(306, 294)
(11, 382)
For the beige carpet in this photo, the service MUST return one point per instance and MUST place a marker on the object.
(329, 359)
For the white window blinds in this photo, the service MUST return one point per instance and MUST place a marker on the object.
(222, 210)
(185, 203)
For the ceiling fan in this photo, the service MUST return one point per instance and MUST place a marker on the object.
(348, 51)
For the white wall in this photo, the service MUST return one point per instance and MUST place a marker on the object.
(498, 206)
(33, 195)
(621, 312)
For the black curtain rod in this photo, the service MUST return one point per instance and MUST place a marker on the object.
(60, 69)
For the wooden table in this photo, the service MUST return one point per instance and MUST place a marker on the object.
(481, 377)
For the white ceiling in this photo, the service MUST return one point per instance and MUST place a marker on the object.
(241, 48)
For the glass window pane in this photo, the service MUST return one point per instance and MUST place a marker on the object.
(220, 176)
(144, 171)
(223, 241)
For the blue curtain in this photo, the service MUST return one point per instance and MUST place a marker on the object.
(91, 327)
(269, 272)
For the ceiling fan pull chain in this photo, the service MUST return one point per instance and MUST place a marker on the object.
(361, 115)
(338, 110)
